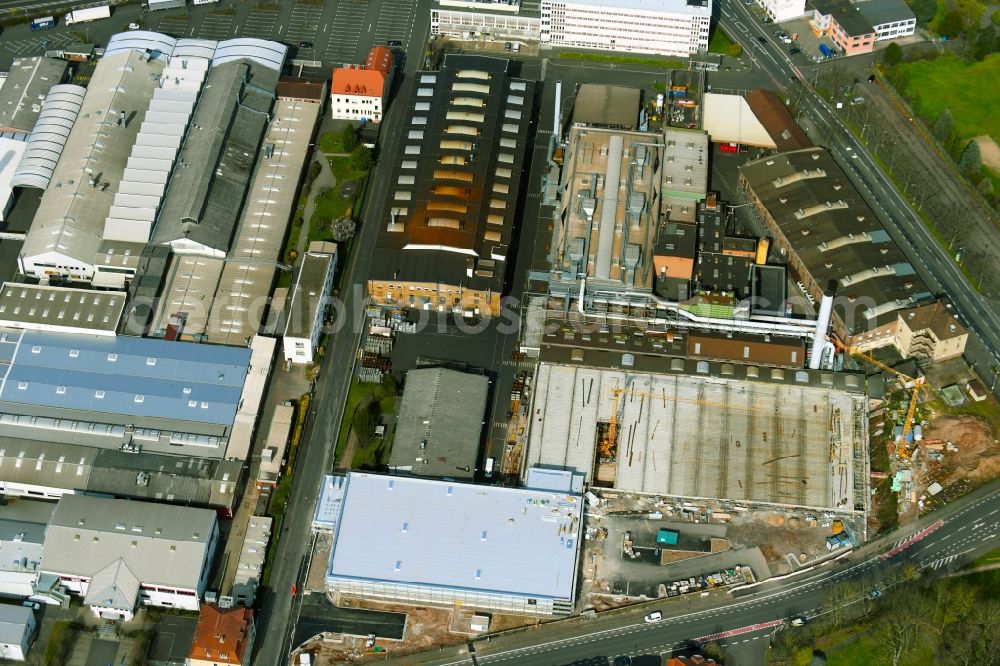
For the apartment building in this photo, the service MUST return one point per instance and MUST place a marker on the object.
(663, 27)
(360, 93)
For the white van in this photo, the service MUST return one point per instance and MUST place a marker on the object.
(517, 46)
(489, 467)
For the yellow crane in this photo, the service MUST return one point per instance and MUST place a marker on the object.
(915, 384)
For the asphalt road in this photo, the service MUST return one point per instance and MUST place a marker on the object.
(951, 536)
(932, 262)
(279, 608)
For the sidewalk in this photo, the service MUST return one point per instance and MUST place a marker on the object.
(324, 182)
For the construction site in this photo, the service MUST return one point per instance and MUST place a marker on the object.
(771, 437)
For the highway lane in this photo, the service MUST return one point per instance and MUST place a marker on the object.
(932, 261)
(965, 529)
(279, 608)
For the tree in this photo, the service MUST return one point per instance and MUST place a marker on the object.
(893, 55)
(986, 43)
(349, 138)
(943, 126)
(951, 25)
(713, 651)
(970, 161)
(362, 158)
(364, 421)
(343, 229)
(388, 388)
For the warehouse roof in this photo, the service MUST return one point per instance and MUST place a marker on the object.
(138, 377)
(776, 119)
(28, 82)
(245, 282)
(440, 423)
(49, 136)
(159, 544)
(70, 218)
(454, 186)
(729, 119)
(451, 535)
(605, 105)
(835, 235)
(59, 309)
(203, 203)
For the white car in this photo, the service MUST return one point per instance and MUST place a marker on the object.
(655, 616)
(133, 26)
(798, 621)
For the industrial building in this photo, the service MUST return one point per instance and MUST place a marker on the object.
(603, 234)
(829, 235)
(773, 114)
(308, 301)
(133, 417)
(783, 10)
(700, 429)
(17, 630)
(107, 204)
(21, 98)
(361, 93)
(664, 27)
(439, 424)
(119, 554)
(60, 309)
(241, 583)
(426, 542)
(685, 172)
(22, 533)
(223, 300)
(607, 106)
(450, 219)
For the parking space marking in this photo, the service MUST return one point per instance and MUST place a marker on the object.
(395, 21)
(214, 26)
(345, 32)
(175, 26)
(37, 45)
(260, 23)
(304, 23)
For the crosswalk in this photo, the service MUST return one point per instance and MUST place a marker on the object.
(940, 562)
(520, 365)
(499, 424)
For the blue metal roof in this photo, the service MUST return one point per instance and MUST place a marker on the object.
(139, 377)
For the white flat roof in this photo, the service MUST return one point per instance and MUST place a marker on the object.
(457, 536)
(653, 6)
(728, 118)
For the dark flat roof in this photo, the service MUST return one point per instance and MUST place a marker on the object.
(846, 14)
(778, 122)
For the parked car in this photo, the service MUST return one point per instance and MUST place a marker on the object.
(655, 616)
(871, 79)
(874, 594)
(858, 100)
(393, 43)
(507, 46)
(798, 621)
(133, 26)
(305, 45)
(794, 51)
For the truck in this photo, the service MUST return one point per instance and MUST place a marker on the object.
(43, 22)
(825, 50)
(88, 14)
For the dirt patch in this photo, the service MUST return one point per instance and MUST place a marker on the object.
(777, 535)
(990, 152)
(978, 455)
(774, 520)
(668, 556)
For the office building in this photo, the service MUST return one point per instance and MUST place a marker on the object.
(663, 27)
(360, 93)
(308, 302)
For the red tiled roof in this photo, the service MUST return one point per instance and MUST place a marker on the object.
(368, 81)
(222, 632)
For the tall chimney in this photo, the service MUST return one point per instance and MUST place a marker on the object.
(822, 325)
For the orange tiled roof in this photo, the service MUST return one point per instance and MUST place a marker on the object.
(222, 632)
(368, 81)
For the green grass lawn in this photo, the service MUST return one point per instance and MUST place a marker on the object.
(721, 43)
(331, 142)
(992, 557)
(862, 652)
(376, 454)
(968, 89)
(354, 396)
(646, 61)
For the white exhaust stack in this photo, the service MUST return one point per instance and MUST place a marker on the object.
(557, 118)
(822, 325)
